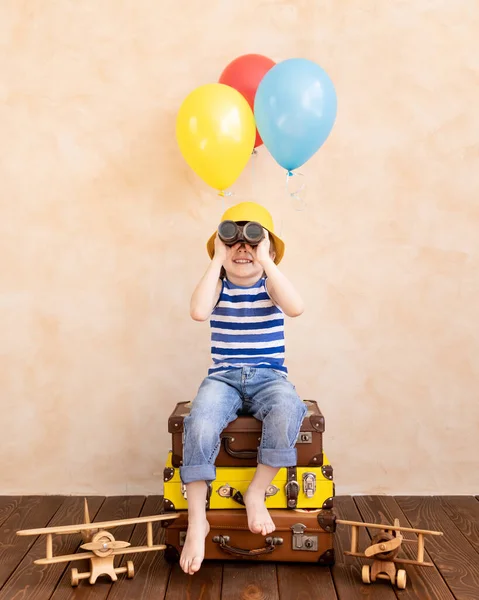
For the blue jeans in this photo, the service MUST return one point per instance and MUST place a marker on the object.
(263, 393)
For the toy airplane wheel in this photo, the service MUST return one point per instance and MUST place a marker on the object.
(366, 574)
(75, 580)
(401, 579)
(130, 569)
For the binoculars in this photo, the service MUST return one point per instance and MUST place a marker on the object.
(231, 232)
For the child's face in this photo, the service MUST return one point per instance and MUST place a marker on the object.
(241, 263)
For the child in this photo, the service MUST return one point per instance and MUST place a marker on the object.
(248, 373)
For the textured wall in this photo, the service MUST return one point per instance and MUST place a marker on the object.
(103, 226)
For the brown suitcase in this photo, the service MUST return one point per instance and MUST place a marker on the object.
(240, 439)
(300, 536)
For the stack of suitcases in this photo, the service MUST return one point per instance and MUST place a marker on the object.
(299, 499)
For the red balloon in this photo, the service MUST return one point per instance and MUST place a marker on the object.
(244, 75)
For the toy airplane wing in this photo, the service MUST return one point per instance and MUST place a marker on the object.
(69, 529)
(82, 555)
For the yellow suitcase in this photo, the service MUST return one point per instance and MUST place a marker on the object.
(293, 487)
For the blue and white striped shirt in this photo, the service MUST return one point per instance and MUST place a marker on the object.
(247, 329)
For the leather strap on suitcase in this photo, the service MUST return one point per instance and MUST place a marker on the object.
(223, 540)
(241, 454)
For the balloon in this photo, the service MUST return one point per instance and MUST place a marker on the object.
(244, 74)
(295, 109)
(215, 130)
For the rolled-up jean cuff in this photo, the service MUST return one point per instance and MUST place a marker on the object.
(277, 458)
(192, 473)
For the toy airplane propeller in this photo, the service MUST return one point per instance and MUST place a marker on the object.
(384, 549)
(100, 544)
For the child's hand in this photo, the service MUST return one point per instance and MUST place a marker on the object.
(262, 250)
(221, 250)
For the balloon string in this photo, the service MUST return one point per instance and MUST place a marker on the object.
(253, 159)
(222, 194)
(298, 200)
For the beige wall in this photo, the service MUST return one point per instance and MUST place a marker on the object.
(103, 226)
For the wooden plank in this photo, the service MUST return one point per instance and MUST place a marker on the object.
(152, 572)
(7, 505)
(347, 571)
(464, 513)
(456, 559)
(305, 582)
(40, 582)
(421, 582)
(115, 507)
(248, 580)
(205, 584)
(30, 511)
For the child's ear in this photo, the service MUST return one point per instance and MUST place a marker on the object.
(273, 254)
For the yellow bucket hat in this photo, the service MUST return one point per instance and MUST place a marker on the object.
(250, 211)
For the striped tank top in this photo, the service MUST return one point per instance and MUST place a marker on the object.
(247, 329)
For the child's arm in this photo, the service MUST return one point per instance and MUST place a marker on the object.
(280, 288)
(208, 290)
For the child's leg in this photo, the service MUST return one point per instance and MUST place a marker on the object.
(259, 520)
(274, 401)
(215, 405)
(198, 527)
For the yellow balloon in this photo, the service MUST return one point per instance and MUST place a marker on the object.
(216, 132)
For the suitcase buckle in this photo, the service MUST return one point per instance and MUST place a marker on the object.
(309, 484)
(292, 492)
(300, 541)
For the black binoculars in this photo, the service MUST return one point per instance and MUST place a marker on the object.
(231, 232)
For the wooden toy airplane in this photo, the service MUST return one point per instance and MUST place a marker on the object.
(101, 545)
(383, 550)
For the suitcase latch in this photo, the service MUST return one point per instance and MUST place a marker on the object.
(183, 490)
(309, 484)
(305, 437)
(301, 541)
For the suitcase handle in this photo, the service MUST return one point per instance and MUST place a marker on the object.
(223, 540)
(237, 453)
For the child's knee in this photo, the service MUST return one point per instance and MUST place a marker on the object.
(200, 429)
(284, 419)
(290, 406)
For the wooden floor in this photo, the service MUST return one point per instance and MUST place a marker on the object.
(455, 556)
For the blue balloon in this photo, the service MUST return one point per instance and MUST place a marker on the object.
(295, 109)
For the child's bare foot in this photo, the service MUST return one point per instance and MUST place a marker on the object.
(259, 520)
(194, 548)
